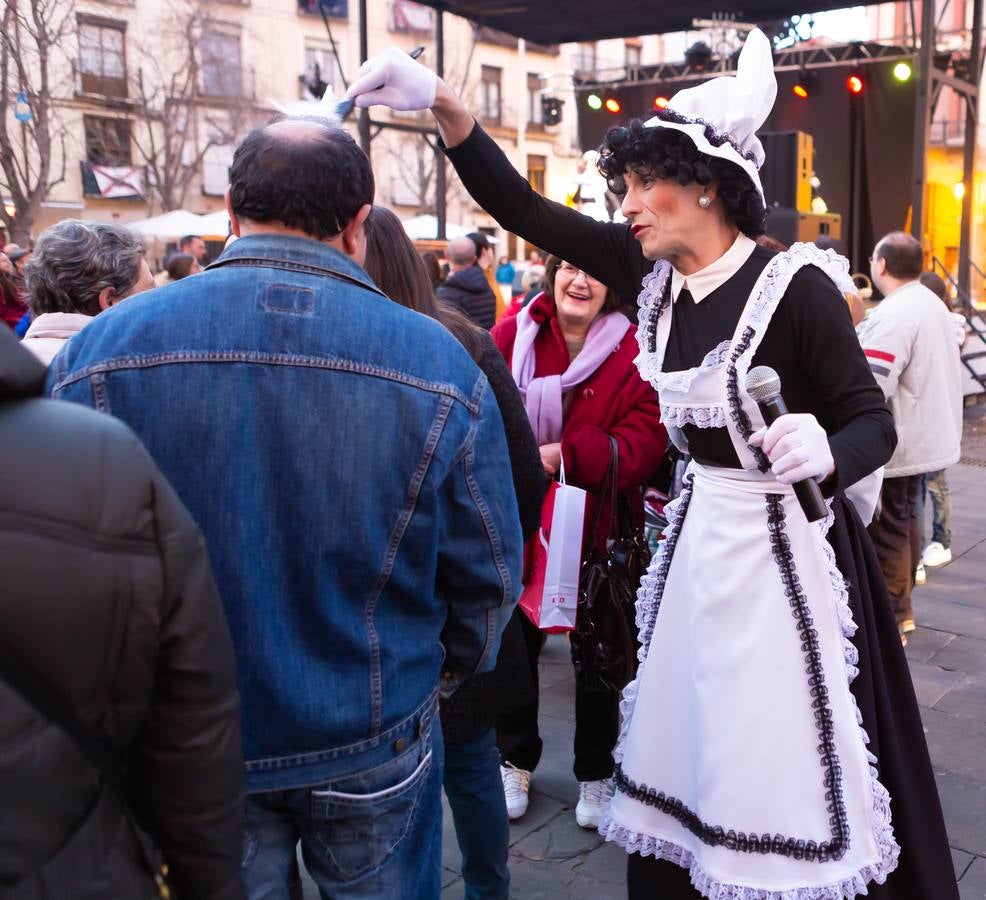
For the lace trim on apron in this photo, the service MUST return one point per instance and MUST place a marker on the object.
(673, 416)
(737, 355)
(655, 299)
(648, 606)
(681, 382)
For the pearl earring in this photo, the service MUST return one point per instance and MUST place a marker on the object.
(704, 201)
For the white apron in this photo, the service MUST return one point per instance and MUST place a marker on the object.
(741, 755)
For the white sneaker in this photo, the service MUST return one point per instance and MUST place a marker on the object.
(594, 797)
(936, 555)
(920, 576)
(516, 784)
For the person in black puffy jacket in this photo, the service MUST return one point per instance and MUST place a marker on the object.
(108, 607)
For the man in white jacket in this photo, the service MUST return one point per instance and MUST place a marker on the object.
(909, 340)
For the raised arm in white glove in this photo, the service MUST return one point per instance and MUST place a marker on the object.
(394, 79)
(797, 447)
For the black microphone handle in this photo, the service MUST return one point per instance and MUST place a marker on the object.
(808, 493)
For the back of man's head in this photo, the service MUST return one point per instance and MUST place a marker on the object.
(936, 284)
(75, 261)
(903, 254)
(303, 174)
(461, 252)
(827, 242)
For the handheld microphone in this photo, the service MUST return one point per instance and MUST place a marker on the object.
(763, 385)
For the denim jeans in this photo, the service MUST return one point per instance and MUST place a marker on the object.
(475, 794)
(936, 484)
(373, 835)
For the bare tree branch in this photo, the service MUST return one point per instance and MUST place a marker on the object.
(32, 38)
(171, 105)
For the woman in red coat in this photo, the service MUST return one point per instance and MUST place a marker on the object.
(571, 352)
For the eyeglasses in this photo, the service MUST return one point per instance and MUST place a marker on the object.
(573, 272)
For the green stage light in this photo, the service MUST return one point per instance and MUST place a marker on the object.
(902, 71)
(594, 101)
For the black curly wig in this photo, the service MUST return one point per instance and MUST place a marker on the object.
(671, 154)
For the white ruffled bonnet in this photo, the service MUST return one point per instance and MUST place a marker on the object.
(722, 115)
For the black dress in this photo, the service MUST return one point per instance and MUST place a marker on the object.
(811, 344)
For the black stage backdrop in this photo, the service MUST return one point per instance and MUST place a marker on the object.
(863, 143)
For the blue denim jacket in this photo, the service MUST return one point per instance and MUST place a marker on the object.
(346, 461)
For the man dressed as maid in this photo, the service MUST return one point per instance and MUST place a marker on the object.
(771, 747)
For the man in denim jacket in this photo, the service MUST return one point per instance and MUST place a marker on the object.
(347, 463)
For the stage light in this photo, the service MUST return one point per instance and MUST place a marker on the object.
(613, 105)
(594, 101)
(958, 189)
(902, 71)
(805, 84)
(854, 84)
(661, 102)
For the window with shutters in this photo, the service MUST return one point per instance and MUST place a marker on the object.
(221, 64)
(535, 115)
(102, 56)
(107, 141)
(537, 167)
(491, 79)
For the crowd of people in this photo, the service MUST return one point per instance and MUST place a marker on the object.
(264, 599)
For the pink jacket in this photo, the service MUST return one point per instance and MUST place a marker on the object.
(49, 332)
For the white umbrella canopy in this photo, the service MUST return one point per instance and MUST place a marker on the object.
(169, 225)
(214, 225)
(425, 228)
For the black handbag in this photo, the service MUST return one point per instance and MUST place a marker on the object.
(84, 848)
(604, 643)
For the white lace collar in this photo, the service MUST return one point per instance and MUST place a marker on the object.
(703, 282)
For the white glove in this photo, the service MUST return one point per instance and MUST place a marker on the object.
(797, 447)
(394, 79)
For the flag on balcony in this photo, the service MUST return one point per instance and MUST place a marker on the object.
(412, 18)
(113, 182)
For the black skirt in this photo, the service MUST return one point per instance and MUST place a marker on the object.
(885, 697)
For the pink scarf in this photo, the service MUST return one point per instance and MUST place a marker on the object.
(543, 396)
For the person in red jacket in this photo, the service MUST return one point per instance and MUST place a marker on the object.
(571, 352)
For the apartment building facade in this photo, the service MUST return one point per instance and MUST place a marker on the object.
(150, 98)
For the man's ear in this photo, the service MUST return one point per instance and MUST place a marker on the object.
(107, 297)
(234, 223)
(351, 233)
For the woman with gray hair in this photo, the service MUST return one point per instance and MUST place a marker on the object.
(79, 269)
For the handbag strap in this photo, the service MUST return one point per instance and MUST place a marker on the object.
(612, 476)
(56, 710)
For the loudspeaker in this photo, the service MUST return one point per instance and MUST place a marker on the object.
(789, 225)
(786, 172)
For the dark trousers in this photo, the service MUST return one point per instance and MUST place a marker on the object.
(896, 534)
(597, 722)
